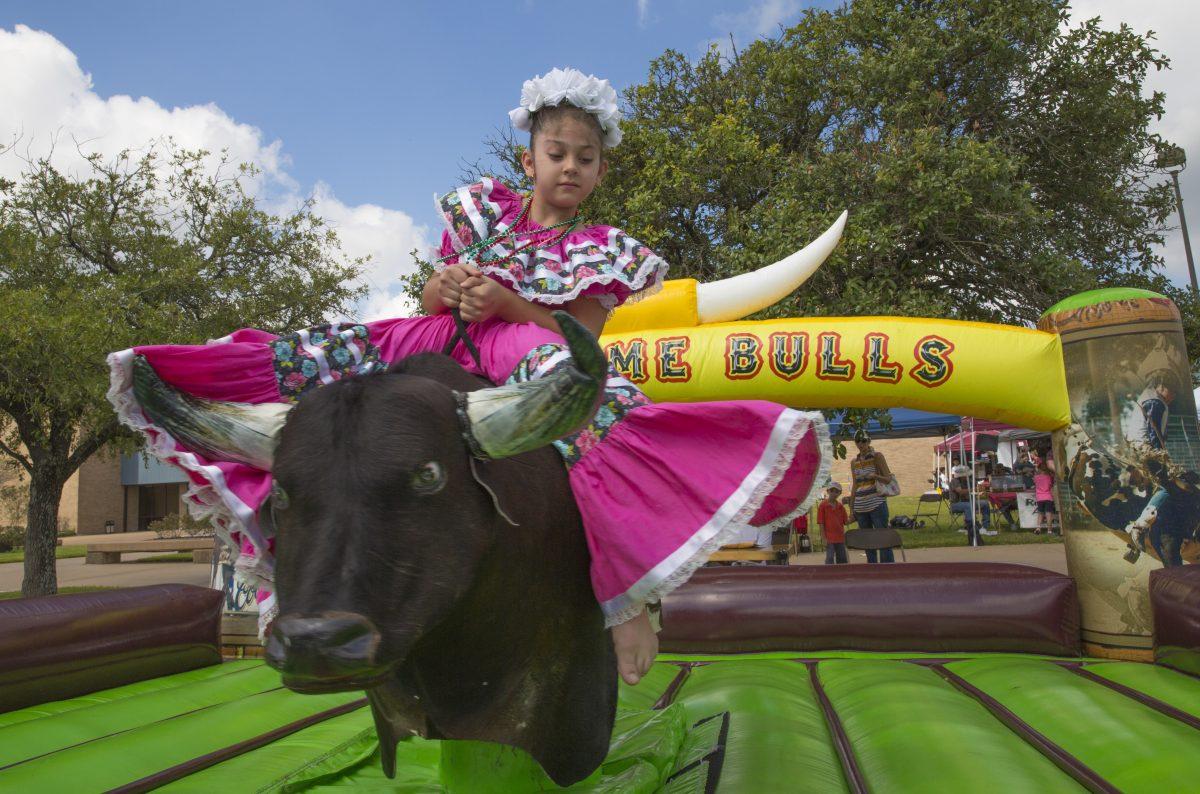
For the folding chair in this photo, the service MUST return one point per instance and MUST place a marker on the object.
(875, 539)
(955, 519)
(924, 510)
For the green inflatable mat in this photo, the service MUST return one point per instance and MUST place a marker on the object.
(53, 732)
(1130, 745)
(129, 756)
(913, 731)
(1170, 686)
(753, 722)
(649, 689)
(778, 740)
(189, 678)
(343, 753)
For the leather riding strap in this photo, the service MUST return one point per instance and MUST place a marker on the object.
(460, 334)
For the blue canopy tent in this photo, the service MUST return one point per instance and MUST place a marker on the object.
(907, 423)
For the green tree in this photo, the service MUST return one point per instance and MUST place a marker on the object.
(139, 250)
(993, 158)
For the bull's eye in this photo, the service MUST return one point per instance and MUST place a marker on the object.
(279, 497)
(428, 478)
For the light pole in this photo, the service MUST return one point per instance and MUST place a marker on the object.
(1175, 160)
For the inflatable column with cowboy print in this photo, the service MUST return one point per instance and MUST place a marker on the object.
(1126, 465)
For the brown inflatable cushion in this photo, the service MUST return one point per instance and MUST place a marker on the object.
(1175, 602)
(933, 607)
(63, 646)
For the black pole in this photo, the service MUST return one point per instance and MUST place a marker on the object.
(1187, 243)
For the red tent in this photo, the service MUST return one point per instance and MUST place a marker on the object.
(967, 438)
(982, 427)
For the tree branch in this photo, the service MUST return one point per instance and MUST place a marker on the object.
(88, 446)
(18, 457)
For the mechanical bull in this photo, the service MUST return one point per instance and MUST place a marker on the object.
(429, 551)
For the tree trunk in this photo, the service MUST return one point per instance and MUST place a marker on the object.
(41, 533)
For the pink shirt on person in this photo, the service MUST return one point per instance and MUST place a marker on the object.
(1043, 487)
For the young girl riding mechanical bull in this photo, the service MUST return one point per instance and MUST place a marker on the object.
(659, 486)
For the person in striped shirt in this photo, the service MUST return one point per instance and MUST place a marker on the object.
(869, 470)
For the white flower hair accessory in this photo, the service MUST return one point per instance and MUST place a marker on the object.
(586, 92)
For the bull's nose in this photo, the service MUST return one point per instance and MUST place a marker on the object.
(325, 646)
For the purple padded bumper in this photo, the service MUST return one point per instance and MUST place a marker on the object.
(924, 607)
(1175, 602)
(60, 647)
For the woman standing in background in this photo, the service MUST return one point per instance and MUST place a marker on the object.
(869, 505)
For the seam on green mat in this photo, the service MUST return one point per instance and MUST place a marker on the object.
(668, 695)
(1136, 695)
(791, 656)
(285, 778)
(852, 773)
(220, 755)
(126, 730)
(1058, 755)
(93, 704)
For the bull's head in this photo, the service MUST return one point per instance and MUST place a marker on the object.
(372, 475)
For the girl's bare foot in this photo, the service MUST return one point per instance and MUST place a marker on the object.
(636, 645)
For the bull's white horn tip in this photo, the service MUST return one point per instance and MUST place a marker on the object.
(738, 296)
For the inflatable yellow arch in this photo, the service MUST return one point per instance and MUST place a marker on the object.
(999, 372)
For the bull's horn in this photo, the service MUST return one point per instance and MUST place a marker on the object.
(738, 296)
(235, 432)
(518, 417)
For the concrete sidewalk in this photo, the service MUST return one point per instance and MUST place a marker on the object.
(73, 573)
(1051, 556)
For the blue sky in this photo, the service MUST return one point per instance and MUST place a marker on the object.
(369, 107)
(380, 100)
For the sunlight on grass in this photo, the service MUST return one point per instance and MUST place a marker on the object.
(60, 553)
(61, 591)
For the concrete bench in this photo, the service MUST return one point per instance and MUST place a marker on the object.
(108, 553)
(746, 555)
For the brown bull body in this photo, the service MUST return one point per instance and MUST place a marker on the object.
(456, 622)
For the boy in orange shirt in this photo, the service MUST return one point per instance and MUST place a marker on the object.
(832, 516)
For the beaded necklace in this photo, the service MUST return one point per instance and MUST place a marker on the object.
(469, 252)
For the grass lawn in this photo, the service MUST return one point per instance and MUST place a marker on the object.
(939, 533)
(60, 552)
(178, 556)
(61, 591)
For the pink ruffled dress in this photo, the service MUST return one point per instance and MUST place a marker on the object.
(659, 486)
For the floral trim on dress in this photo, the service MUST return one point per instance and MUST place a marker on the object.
(620, 397)
(320, 355)
(600, 261)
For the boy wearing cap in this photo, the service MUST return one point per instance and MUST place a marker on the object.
(832, 517)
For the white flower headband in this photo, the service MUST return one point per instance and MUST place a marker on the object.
(586, 92)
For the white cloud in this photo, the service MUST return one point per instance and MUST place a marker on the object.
(385, 235)
(643, 11)
(48, 104)
(763, 18)
(1176, 25)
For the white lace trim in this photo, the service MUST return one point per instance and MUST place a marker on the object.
(210, 501)
(810, 422)
(654, 265)
(653, 269)
(266, 616)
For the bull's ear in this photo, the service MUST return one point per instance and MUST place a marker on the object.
(507, 483)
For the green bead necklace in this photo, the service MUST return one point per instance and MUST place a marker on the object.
(469, 252)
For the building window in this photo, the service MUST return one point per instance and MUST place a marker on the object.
(157, 501)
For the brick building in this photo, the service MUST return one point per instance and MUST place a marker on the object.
(910, 459)
(128, 490)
